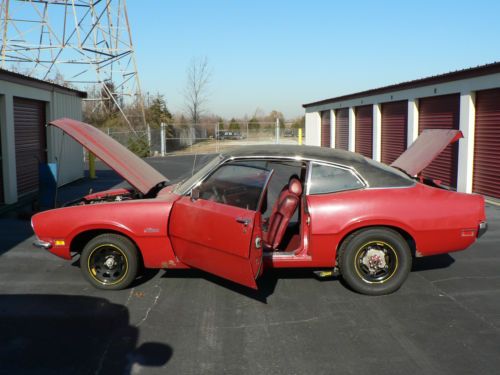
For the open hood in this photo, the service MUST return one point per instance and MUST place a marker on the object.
(429, 144)
(133, 169)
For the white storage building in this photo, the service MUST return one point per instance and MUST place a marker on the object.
(381, 123)
(26, 106)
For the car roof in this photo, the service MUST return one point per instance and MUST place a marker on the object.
(305, 152)
(376, 174)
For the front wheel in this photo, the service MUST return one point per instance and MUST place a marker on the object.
(109, 261)
(375, 261)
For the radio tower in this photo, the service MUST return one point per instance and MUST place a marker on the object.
(86, 44)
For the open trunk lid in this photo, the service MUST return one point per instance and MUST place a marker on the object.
(429, 144)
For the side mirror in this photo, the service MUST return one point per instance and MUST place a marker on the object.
(195, 193)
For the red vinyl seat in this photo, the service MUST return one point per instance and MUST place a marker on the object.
(283, 210)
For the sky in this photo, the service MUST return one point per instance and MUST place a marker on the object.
(278, 55)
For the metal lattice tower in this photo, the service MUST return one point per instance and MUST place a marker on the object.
(86, 44)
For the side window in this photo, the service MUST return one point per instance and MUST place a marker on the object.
(235, 185)
(330, 179)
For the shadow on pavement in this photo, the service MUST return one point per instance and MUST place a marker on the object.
(432, 262)
(12, 232)
(15, 225)
(266, 283)
(71, 334)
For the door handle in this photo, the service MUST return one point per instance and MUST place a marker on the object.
(258, 242)
(243, 221)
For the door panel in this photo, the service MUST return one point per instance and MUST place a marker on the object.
(394, 129)
(342, 128)
(30, 138)
(325, 128)
(209, 236)
(441, 112)
(487, 144)
(220, 232)
(364, 130)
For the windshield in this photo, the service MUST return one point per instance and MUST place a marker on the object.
(185, 184)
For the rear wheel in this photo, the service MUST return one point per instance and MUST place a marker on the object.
(109, 261)
(375, 261)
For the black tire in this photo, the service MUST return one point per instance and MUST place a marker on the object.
(375, 261)
(109, 262)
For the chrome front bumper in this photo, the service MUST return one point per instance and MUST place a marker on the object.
(42, 244)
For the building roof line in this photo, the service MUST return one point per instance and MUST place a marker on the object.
(477, 71)
(9, 76)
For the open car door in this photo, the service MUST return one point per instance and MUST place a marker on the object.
(218, 227)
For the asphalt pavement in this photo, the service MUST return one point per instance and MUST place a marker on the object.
(444, 320)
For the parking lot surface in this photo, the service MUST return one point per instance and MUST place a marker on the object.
(444, 320)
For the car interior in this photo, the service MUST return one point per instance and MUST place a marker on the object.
(277, 234)
(285, 207)
(240, 183)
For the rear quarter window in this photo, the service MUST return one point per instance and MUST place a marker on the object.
(330, 179)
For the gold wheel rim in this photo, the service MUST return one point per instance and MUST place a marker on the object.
(92, 270)
(390, 254)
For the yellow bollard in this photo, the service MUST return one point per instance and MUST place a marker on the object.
(300, 136)
(92, 166)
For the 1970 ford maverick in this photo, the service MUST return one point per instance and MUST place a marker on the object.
(260, 207)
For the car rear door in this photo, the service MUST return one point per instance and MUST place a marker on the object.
(218, 227)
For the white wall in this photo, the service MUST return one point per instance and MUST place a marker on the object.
(466, 88)
(467, 124)
(313, 129)
(352, 130)
(71, 165)
(57, 105)
(412, 126)
(377, 132)
(333, 127)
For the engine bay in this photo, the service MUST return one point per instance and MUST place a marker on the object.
(113, 195)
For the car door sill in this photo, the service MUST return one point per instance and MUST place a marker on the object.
(290, 254)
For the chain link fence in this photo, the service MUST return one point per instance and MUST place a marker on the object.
(207, 138)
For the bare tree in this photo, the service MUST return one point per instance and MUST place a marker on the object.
(195, 93)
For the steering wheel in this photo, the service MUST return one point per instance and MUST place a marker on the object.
(219, 197)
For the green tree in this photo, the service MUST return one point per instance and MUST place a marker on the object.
(234, 125)
(277, 115)
(253, 124)
(299, 123)
(221, 123)
(104, 112)
(157, 112)
(139, 145)
(114, 121)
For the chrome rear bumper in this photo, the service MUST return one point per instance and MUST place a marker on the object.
(483, 227)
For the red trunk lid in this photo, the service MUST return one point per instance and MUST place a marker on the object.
(429, 144)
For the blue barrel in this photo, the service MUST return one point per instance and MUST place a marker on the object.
(47, 174)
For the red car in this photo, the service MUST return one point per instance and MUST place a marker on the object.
(262, 207)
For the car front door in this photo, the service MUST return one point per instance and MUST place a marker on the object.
(217, 228)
